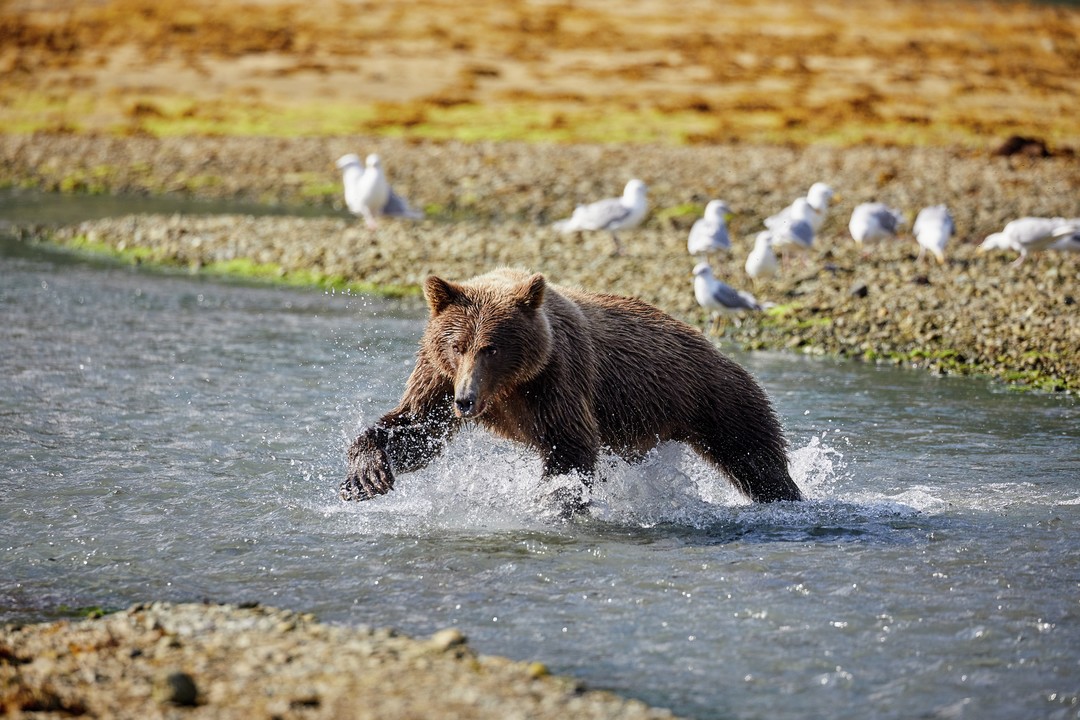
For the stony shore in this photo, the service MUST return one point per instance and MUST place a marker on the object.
(489, 204)
(218, 661)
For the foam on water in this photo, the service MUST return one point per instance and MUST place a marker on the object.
(482, 484)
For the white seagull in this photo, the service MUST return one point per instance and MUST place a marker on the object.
(792, 227)
(368, 193)
(872, 222)
(761, 262)
(817, 200)
(719, 297)
(710, 233)
(1029, 234)
(818, 197)
(611, 214)
(932, 229)
(1068, 238)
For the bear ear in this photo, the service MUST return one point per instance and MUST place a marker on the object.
(530, 293)
(440, 293)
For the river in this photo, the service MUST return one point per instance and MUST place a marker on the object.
(169, 437)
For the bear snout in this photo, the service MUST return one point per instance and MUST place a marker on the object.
(468, 391)
(468, 405)
(464, 406)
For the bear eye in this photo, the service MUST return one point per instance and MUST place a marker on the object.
(458, 348)
(489, 350)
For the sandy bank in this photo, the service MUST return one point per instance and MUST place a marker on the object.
(220, 661)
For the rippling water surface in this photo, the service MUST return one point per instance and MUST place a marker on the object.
(165, 437)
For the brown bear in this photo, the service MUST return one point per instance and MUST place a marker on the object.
(570, 373)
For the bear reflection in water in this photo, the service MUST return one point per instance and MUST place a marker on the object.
(568, 372)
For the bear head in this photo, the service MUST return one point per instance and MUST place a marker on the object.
(489, 336)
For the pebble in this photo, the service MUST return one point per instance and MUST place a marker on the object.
(446, 639)
(176, 688)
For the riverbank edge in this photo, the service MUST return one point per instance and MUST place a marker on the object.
(791, 327)
(240, 661)
(493, 203)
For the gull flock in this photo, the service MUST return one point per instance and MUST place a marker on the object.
(368, 195)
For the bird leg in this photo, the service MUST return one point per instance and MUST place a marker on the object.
(369, 219)
(618, 245)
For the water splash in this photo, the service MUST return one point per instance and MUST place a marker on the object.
(817, 468)
(485, 484)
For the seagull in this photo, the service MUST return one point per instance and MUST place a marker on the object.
(368, 193)
(792, 228)
(1029, 234)
(719, 297)
(817, 200)
(932, 229)
(761, 262)
(611, 214)
(710, 233)
(818, 197)
(871, 222)
(1068, 239)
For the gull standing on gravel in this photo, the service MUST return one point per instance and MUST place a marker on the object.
(1029, 234)
(817, 200)
(719, 297)
(761, 262)
(873, 222)
(611, 214)
(792, 227)
(1068, 238)
(932, 229)
(368, 192)
(710, 233)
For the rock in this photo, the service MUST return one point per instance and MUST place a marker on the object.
(176, 688)
(446, 639)
(538, 670)
(1020, 145)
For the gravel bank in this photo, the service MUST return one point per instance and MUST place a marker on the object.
(221, 661)
(489, 204)
(977, 314)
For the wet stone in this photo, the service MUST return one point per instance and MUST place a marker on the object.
(176, 688)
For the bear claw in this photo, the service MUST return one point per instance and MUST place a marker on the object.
(352, 491)
(357, 488)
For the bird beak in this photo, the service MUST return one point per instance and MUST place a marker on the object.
(728, 216)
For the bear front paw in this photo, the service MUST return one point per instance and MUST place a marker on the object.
(369, 476)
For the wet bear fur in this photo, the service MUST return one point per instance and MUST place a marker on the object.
(570, 374)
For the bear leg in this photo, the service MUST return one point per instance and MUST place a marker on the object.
(761, 474)
(564, 458)
(402, 440)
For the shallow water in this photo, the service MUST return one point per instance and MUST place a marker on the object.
(165, 437)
